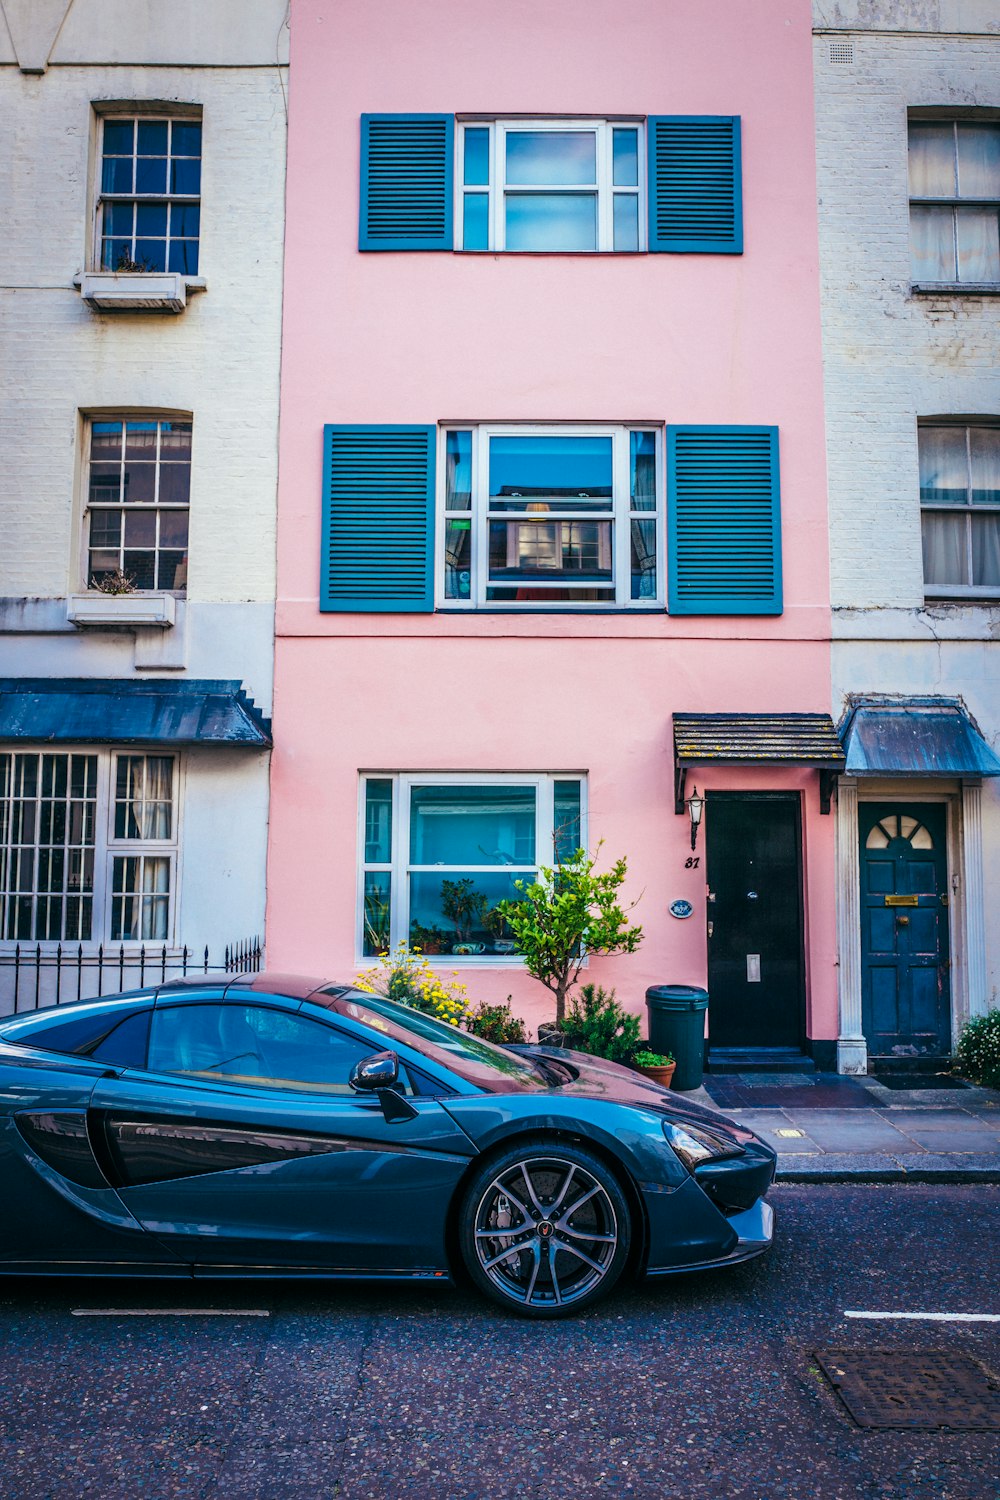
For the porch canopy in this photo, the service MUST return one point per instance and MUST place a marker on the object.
(915, 737)
(757, 740)
(107, 710)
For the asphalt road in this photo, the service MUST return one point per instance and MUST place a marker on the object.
(701, 1386)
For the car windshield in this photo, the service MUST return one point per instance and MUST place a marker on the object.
(489, 1067)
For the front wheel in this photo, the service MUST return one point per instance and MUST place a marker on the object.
(545, 1230)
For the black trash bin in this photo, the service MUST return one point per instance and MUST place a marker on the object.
(677, 1025)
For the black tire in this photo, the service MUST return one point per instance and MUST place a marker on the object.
(545, 1229)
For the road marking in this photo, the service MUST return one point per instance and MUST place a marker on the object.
(170, 1312)
(790, 1135)
(932, 1317)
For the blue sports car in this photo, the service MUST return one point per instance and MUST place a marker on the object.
(272, 1126)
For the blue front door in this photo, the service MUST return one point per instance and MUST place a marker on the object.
(906, 999)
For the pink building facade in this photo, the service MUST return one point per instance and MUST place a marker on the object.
(552, 542)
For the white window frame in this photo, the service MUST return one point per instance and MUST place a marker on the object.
(953, 201)
(621, 515)
(107, 848)
(604, 186)
(123, 508)
(140, 111)
(399, 869)
(967, 591)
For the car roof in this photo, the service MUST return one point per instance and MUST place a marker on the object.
(268, 982)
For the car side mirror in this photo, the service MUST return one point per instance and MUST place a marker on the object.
(379, 1074)
(379, 1071)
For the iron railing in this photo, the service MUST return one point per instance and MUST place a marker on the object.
(49, 976)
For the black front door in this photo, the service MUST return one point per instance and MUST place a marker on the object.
(905, 996)
(755, 961)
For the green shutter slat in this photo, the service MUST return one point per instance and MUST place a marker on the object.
(406, 182)
(378, 519)
(695, 186)
(724, 521)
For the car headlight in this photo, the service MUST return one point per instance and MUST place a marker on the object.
(695, 1144)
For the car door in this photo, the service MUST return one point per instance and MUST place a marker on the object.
(241, 1144)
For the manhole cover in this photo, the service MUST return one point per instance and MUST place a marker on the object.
(918, 1391)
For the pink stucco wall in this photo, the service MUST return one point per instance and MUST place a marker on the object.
(433, 337)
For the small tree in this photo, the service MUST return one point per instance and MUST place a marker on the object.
(568, 914)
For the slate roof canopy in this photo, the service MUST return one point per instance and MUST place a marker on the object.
(102, 710)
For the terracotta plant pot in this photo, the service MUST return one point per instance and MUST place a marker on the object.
(662, 1075)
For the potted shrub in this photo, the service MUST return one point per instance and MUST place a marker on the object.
(496, 1023)
(597, 1024)
(566, 916)
(659, 1066)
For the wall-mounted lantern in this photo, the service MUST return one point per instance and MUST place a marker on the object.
(695, 806)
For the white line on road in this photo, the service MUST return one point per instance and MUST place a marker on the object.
(170, 1312)
(932, 1317)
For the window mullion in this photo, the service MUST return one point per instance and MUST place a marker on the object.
(480, 500)
(498, 187)
(545, 852)
(622, 512)
(399, 888)
(605, 189)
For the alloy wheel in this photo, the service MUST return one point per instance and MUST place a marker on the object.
(546, 1232)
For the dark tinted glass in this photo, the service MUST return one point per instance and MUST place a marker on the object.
(125, 1047)
(251, 1044)
(59, 1031)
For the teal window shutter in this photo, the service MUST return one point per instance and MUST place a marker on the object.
(723, 521)
(378, 519)
(695, 184)
(407, 165)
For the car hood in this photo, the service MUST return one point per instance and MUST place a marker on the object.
(599, 1079)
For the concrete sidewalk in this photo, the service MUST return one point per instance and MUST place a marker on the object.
(828, 1128)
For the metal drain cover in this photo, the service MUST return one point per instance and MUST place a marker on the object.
(919, 1391)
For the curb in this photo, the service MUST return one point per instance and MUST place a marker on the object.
(889, 1171)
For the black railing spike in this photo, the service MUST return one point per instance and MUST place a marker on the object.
(79, 970)
(206, 958)
(17, 973)
(142, 965)
(38, 971)
(100, 969)
(58, 970)
(163, 964)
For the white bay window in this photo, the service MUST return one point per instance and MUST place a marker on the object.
(441, 852)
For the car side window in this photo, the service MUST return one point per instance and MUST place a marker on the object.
(125, 1047)
(253, 1044)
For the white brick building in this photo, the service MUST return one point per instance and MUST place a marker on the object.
(908, 142)
(147, 164)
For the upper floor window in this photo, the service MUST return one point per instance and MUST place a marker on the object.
(138, 492)
(954, 202)
(149, 204)
(552, 185)
(551, 517)
(512, 516)
(960, 508)
(665, 183)
(87, 846)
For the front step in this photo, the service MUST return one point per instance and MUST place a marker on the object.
(758, 1060)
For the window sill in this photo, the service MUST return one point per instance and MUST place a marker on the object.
(955, 289)
(962, 596)
(137, 291)
(121, 611)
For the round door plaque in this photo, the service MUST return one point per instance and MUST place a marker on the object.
(681, 909)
